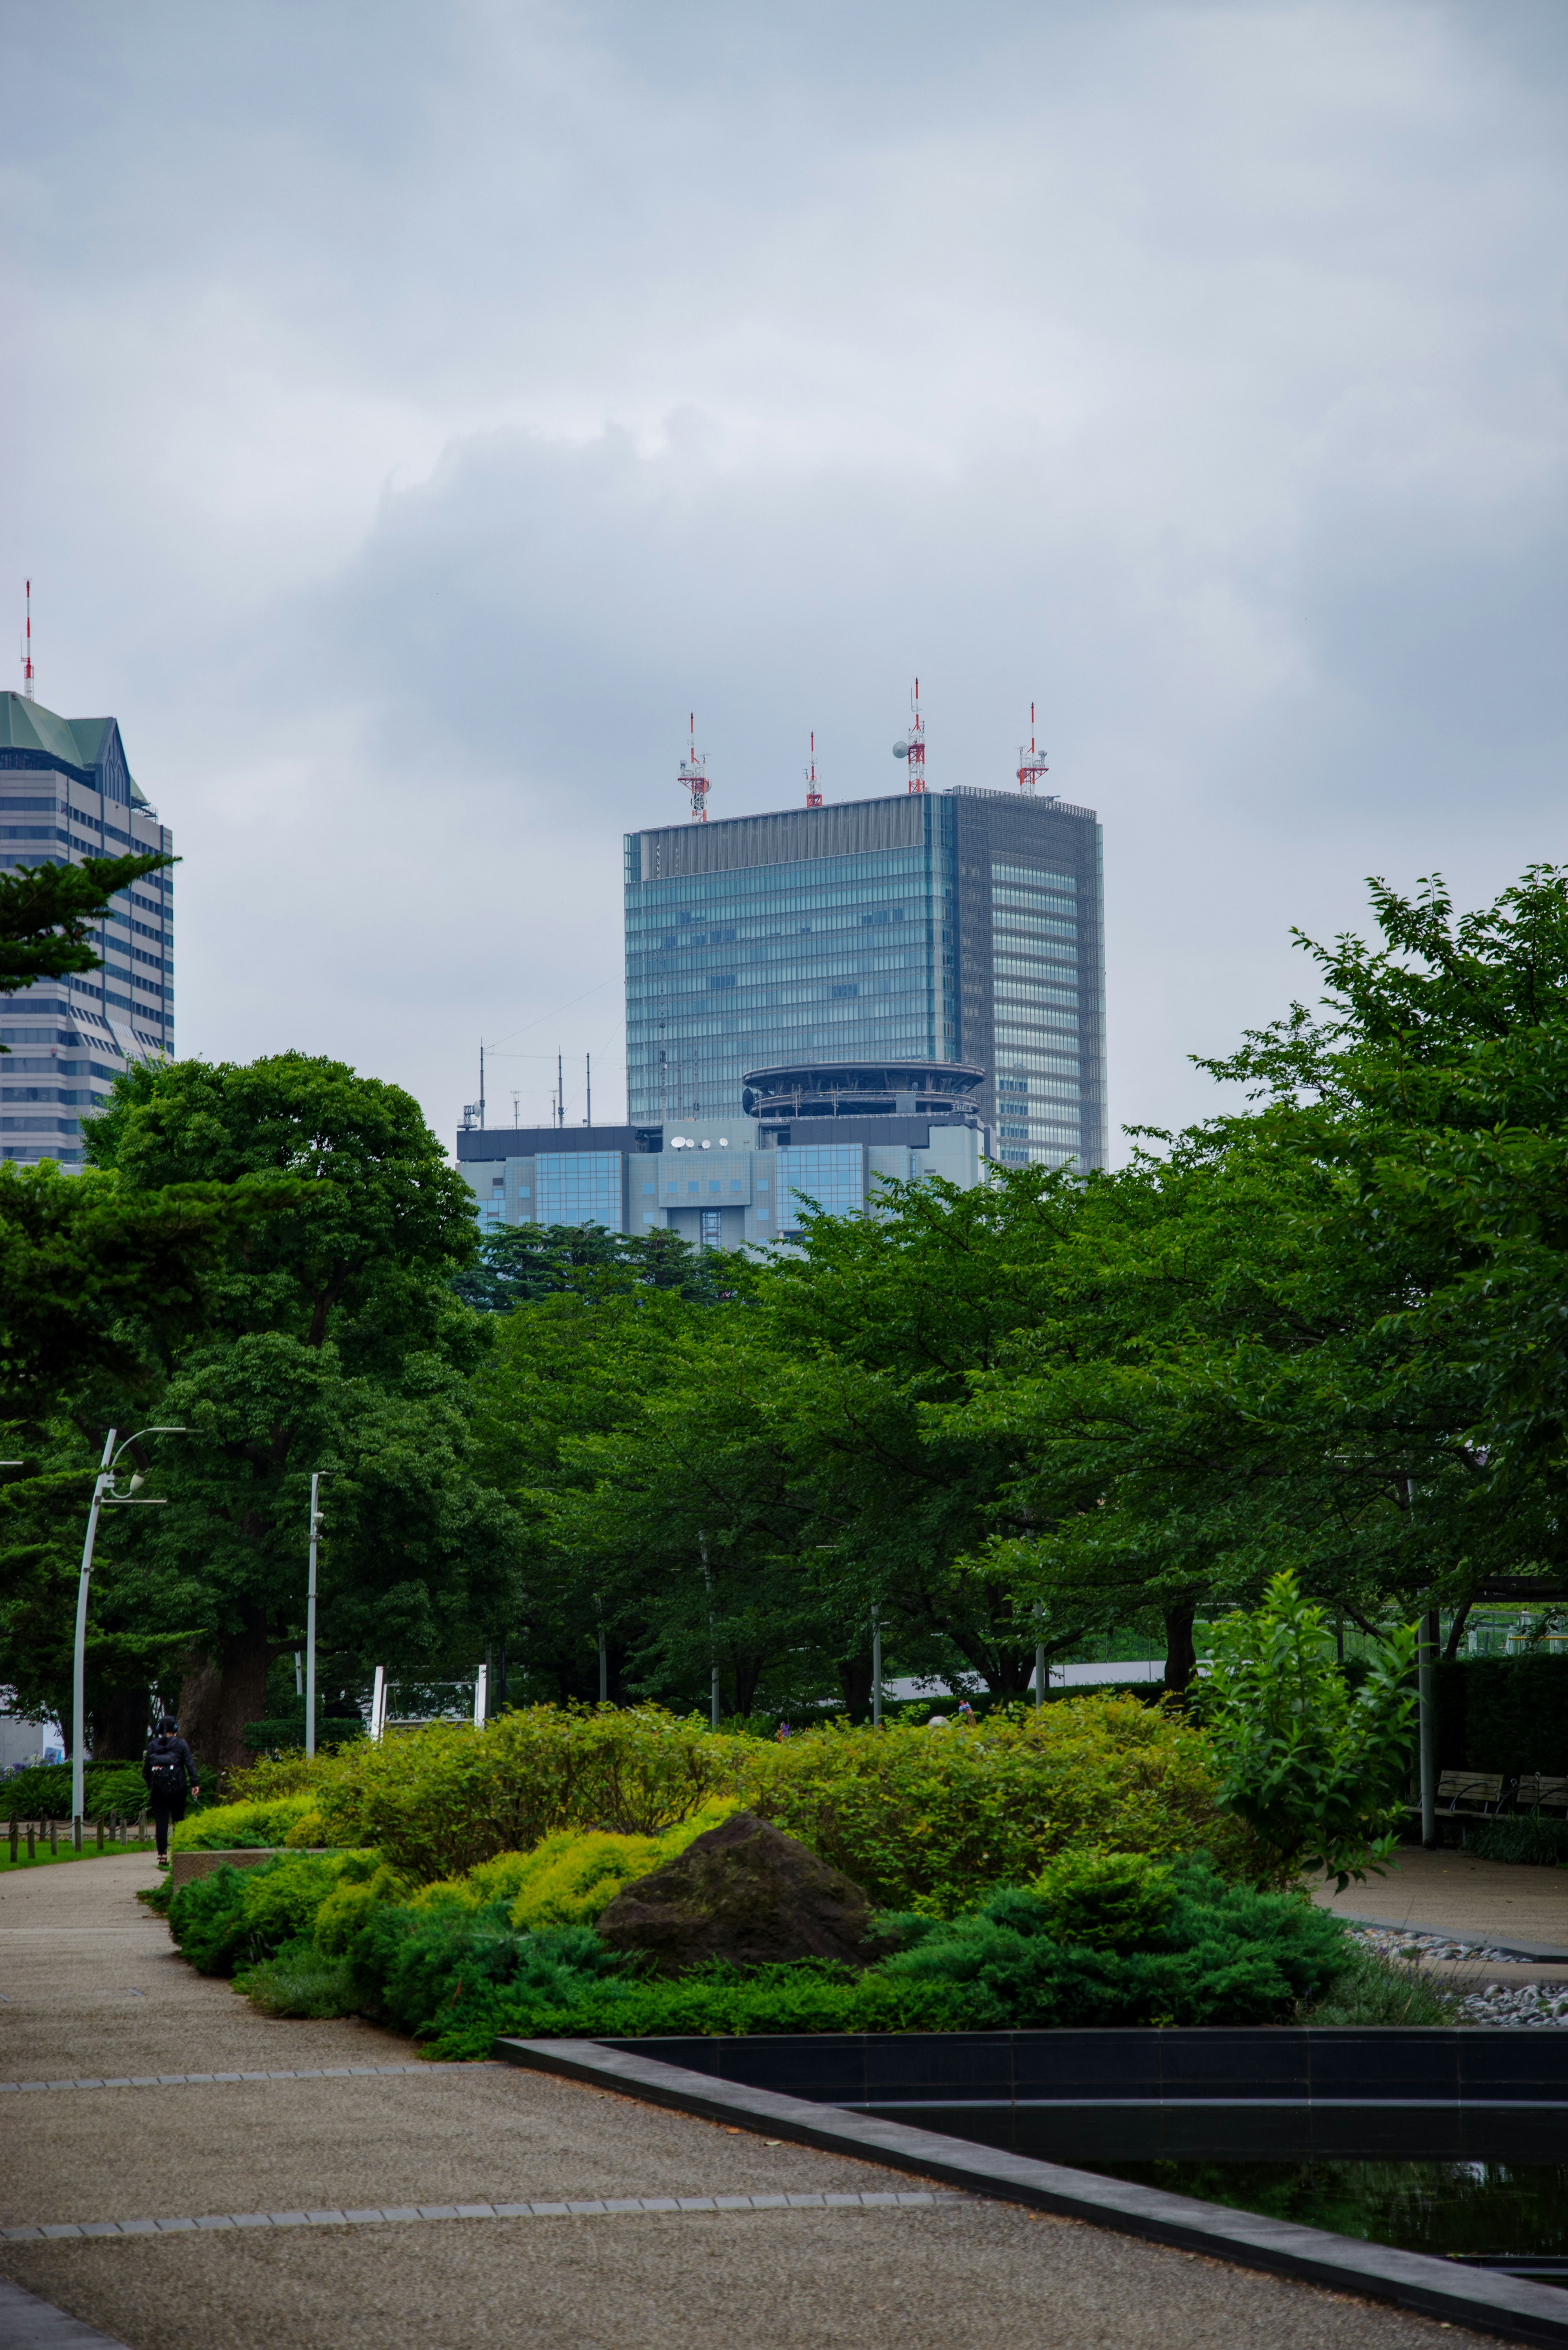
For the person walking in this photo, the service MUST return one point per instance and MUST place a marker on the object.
(169, 1767)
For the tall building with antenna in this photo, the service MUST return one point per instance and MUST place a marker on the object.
(67, 794)
(867, 952)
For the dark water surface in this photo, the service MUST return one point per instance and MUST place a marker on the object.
(1513, 2215)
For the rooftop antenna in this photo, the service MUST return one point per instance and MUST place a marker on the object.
(1030, 762)
(27, 647)
(560, 1094)
(516, 1107)
(589, 1081)
(913, 746)
(813, 796)
(694, 777)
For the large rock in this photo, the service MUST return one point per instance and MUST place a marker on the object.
(746, 1892)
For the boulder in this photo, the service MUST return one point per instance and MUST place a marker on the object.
(746, 1892)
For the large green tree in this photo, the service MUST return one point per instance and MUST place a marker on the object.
(331, 1341)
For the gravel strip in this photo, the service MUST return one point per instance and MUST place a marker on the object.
(1532, 2006)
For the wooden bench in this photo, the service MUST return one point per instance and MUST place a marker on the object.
(1466, 1796)
(1542, 1791)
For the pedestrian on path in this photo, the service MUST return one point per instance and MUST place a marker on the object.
(169, 1767)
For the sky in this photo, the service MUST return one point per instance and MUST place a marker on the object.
(413, 413)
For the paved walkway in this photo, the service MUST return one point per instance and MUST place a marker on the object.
(93, 1992)
(1450, 1892)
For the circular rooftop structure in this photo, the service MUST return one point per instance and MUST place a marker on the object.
(905, 1088)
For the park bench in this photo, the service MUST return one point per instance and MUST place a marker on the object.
(1542, 1791)
(1466, 1796)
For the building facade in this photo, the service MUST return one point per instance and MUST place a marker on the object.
(67, 794)
(963, 926)
(729, 1182)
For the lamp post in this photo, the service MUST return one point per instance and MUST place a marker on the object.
(103, 1496)
(315, 1476)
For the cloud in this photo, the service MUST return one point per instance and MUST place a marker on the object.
(425, 413)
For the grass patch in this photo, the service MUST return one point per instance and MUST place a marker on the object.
(1379, 1992)
(1540, 1844)
(44, 1858)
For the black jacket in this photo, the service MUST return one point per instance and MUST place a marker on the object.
(163, 1747)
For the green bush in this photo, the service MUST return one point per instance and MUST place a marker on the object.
(42, 1791)
(1106, 1900)
(207, 1918)
(238, 1915)
(922, 1820)
(1219, 1954)
(1542, 1842)
(931, 1820)
(239, 1827)
(1313, 1766)
(415, 1966)
(299, 1982)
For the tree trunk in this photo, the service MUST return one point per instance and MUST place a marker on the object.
(121, 1724)
(216, 1701)
(855, 1684)
(1180, 1656)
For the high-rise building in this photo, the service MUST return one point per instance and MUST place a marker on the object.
(958, 926)
(67, 794)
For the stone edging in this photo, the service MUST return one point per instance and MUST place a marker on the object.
(1486, 2301)
(587, 2208)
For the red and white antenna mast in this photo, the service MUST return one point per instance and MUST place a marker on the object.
(813, 796)
(27, 647)
(694, 779)
(913, 747)
(1030, 762)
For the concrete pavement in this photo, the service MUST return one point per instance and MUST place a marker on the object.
(92, 1990)
(1450, 1892)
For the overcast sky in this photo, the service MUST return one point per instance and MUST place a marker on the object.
(415, 410)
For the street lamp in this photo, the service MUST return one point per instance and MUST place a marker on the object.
(103, 1496)
(315, 1477)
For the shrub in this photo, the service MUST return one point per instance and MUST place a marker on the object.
(415, 1966)
(1220, 1954)
(932, 1821)
(1313, 1767)
(438, 1802)
(1106, 1900)
(299, 1982)
(207, 1918)
(571, 1879)
(919, 1820)
(239, 1827)
(42, 1791)
(240, 1914)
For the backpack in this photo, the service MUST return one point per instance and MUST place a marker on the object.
(164, 1768)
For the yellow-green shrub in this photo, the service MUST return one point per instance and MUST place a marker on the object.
(931, 1820)
(572, 1877)
(437, 1801)
(363, 1881)
(266, 1822)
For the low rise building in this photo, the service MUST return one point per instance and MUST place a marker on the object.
(828, 1134)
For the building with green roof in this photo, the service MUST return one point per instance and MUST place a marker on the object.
(66, 793)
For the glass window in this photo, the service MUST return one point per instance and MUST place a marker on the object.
(579, 1187)
(715, 1187)
(833, 1174)
(693, 1187)
(648, 1190)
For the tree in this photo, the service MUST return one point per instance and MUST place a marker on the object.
(46, 916)
(330, 1341)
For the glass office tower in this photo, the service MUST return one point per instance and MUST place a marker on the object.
(66, 793)
(961, 926)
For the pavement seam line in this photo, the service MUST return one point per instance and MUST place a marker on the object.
(209, 2080)
(588, 2207)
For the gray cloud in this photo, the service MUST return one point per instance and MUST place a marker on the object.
(424, 410)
